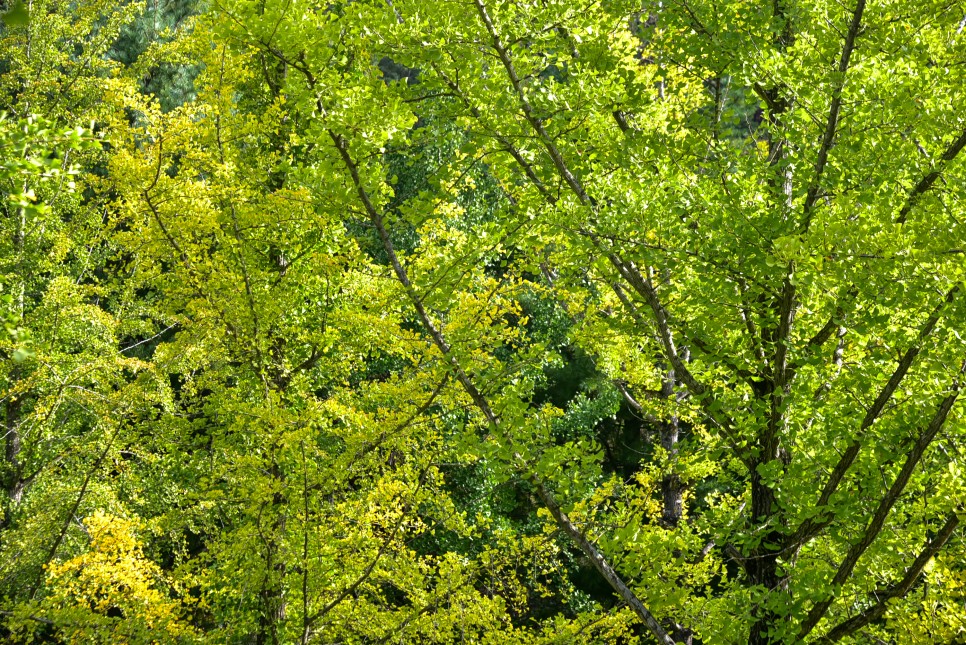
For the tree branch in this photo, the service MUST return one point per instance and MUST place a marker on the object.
(927, 181)
(885, 506)
(627, 270)
(828, 140)
(898, 590)
(367, 572)
(807, 530)
(600, 563)
(591, 551)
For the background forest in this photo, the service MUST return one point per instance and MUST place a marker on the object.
(482, 321)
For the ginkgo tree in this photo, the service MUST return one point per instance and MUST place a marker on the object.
(66, 389)
(755, 212)
(448, 314)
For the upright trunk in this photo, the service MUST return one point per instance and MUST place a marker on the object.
(13, 482)
(672, 488)
(762, 566)
(763, 563)
(272, 593)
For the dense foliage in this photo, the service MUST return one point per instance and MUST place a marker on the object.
(482, 322)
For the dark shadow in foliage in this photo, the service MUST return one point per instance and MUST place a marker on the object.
(172, 84)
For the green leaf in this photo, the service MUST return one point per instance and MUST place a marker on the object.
(17, 15)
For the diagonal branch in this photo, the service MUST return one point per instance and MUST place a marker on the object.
(441, 343)
(508, 146)
(370, 568)
(645, 288)
(808, 529)
(627, 270)
(927, 181)
(600, 563)
(747, 375)
(750, 326)
(828, 140)
(528, 112)
(830, 327)
(81, 494)
(588, 548)
(898, 590)
(885, 506)
(418, 412)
